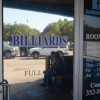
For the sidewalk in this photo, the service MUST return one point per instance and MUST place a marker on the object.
(36, 92)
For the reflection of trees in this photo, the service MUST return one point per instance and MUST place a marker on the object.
(60, 28)
(90, 30)
(17, 29)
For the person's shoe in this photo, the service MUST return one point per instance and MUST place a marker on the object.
(48, 89)
(43, 84)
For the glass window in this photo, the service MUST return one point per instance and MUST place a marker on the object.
(24, 73)
(91, 51)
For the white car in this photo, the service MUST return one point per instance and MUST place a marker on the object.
(43, 51)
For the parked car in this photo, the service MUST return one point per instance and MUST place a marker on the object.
(70, 47)
(17, 48)
(9, 51)
(43, 51)
(24, 51)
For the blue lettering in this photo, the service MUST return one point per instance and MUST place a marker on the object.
(39, 39)
(52, 41)
(32, 39)
(50, 72)
(26, 40)
(45, 41)
(64, 40)
(57, 40)
(21, 40)
(16, 40)
(46, 72)
(54, 71)
(91, 12)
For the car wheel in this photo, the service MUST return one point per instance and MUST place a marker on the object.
(22, 54)
(35, 56)
(8, 55)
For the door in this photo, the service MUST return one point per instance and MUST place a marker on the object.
(1, 67)
(45, 51)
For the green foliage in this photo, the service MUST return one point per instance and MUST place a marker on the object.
(16, 29)
(60, 28)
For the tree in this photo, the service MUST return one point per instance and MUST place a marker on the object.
(17, 29)
(60, 28)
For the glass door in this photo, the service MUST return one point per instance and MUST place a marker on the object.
(24, 74)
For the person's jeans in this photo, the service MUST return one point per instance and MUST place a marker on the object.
(48, 76)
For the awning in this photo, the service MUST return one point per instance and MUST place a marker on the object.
(59, 7)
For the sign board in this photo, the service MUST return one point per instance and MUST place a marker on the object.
(38, 41)
(91, 48)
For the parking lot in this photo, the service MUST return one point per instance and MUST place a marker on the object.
(21, 72)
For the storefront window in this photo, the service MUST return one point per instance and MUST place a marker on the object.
(91, 51)
(24, 66)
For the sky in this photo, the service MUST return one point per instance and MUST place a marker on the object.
(36, 20)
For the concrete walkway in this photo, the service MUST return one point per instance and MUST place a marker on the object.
(36, 92)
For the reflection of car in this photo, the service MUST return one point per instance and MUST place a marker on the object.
(24, 51)
(17, 48)
(9, 51)
(70, 47)
(43, 51)
(10, 43)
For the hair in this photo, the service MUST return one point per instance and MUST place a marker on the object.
(53, 52)
(58, 56)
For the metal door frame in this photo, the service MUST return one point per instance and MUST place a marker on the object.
(78, 50)
(1, 59)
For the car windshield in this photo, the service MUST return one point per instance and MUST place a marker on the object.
(5, 44)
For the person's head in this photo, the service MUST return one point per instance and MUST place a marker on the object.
(53, 54)
(58, 56)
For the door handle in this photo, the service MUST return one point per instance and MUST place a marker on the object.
(7, 89)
